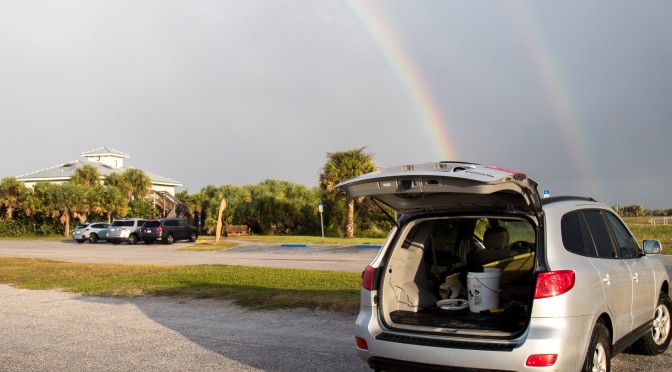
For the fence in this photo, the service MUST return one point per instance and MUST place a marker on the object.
(659, 221)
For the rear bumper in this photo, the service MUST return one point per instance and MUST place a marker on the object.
(153, 237)
(115, 235)
(566, 337)
(393, 365)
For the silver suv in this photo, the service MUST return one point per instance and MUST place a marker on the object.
(126, 230)
(480, 272)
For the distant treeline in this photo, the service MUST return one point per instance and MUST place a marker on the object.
(281, 207)
(638, 210)
(270, 207)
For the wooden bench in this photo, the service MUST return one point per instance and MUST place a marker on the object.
(237, 230)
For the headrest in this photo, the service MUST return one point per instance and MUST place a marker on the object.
(496, 238)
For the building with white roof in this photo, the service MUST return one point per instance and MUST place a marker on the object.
(106, 160)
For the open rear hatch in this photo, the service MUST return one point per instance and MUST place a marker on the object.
(446, 186)
(462, 261)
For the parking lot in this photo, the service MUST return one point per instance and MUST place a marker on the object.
(339, 258)
(52, 330)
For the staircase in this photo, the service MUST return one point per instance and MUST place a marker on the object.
(168, 205)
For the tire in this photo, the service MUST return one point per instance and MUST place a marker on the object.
(598, 357)
(93, 239)
(132, 240)
(170, 239)
(658, 339)
(193, 237)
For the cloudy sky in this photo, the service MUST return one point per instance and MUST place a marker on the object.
(577, 94)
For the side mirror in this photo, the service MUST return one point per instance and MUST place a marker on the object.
(652, 247)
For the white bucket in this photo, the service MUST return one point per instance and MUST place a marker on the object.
(483, 289)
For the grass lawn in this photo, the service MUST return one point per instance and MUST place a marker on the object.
(209, 245)
(254, 287)
(37, 237)
(641, 228)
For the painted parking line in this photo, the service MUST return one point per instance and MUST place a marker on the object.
(368, 246)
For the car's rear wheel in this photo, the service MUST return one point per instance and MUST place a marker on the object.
(93, 238)
(658, 339)
(598, 358)
(132, 240)
(170, 239)
(193, 237)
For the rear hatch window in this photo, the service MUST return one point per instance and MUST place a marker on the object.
(122, 223)
(152, 224)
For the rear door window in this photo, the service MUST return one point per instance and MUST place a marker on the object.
(599, 233)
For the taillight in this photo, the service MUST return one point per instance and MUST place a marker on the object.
(554, 283)
(367, 278)
(86, 229)
(121, 229)
(361, 343)
(541, 360)
(159, 229)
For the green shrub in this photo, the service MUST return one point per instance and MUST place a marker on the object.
(13, 229)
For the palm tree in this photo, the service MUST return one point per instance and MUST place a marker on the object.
(12, 194)
(86, 176)
(342, 166)
(109, 200)
(138, 183)
(133, 183)
(66, 201)
(195, 203)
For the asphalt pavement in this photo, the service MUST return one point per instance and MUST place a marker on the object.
(328, 257)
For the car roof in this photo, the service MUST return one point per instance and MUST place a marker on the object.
(447, 186)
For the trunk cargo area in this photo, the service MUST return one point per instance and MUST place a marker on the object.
(459, 259)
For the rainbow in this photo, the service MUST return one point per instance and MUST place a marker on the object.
(408, 75)
(565, 110)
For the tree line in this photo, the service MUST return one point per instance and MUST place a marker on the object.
(638, 210)
(46, 206)
(270, 207)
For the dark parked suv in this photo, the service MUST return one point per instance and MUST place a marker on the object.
(167, 230)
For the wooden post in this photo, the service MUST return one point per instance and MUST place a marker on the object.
(218, 231)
